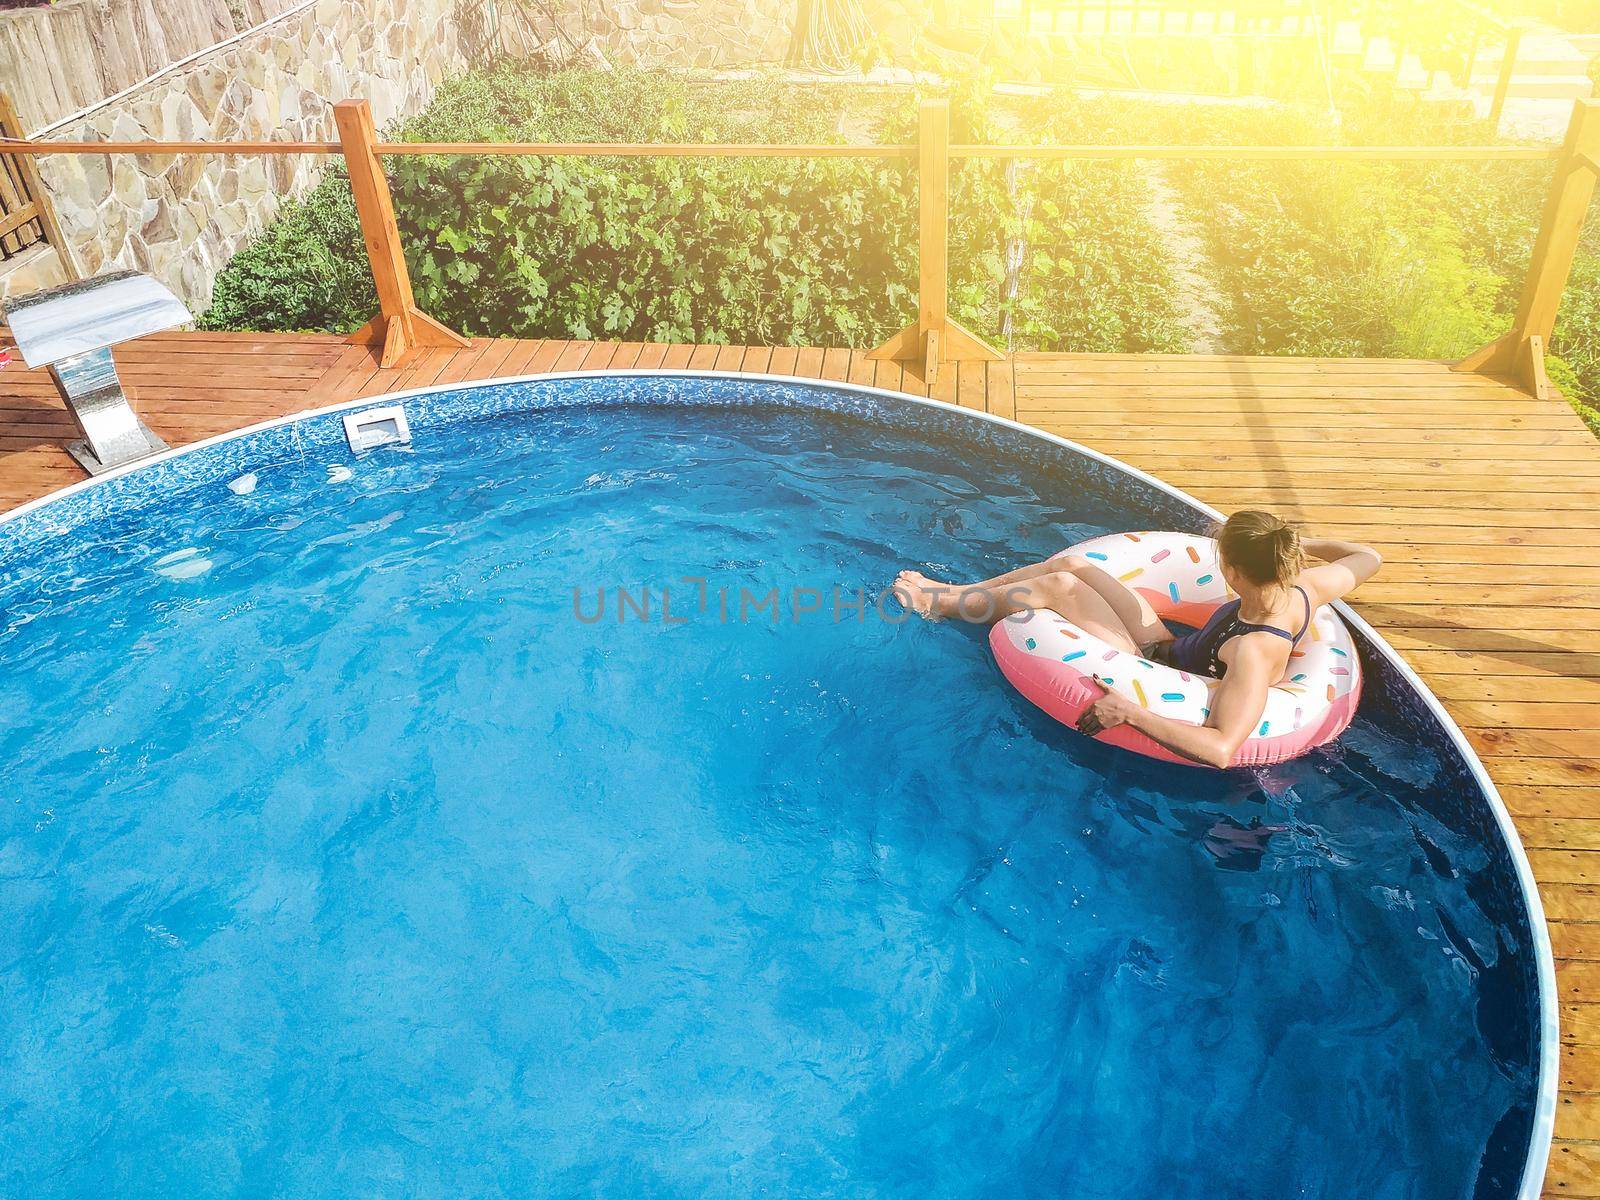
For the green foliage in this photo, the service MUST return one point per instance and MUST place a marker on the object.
(1575, 345)
(1344, 263)
(307, 271)
(1336, 259)
(756, 250)
(1357, 259)
(1575, 16)
(1361, 259)
(659, 249)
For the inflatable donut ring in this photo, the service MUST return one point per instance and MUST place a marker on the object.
(1052, 662)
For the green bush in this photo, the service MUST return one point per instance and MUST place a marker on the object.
(1344, 263)
(763, 251)
(660, 250)
(1575, 345)
(1335, 259)
(307, 272)
(1360, 259)
(711, 250)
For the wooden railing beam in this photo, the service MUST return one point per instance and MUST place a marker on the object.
(1085, 151)
(1520, 353)
(400, 325)
(22, 146)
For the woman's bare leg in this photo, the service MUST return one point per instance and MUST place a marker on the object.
(1132, 609)
(935, 598)
(1060, 592)
(1020, 575)
(1102, 602)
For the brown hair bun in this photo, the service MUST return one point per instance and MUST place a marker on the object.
(1263, 548)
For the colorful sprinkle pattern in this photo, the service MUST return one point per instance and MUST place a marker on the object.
(1178, 574)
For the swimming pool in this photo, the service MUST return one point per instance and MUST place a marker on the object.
(550, 807)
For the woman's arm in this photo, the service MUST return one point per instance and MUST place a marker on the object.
(1346, 566)
(1236, 707)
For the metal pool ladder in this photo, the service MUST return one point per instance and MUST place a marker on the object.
(71, 330)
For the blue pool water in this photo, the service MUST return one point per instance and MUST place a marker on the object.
(343, 857)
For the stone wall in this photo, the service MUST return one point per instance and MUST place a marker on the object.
(698, 33)
(59, 60)
(182, 217)
(668, 33)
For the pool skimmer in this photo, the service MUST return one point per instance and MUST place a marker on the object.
(374, 427)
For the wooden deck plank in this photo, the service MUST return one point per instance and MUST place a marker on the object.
(348, 384)
(1003, 390)
(506, 357)
(1575, 803)
(352, 360)
(946, 386)
(784, 359)
(651, 356)
(572, 356)
(751, 359)
(836, 364)
(517, 359)
(911, 380)
(1426, 568)
(1252, 384)
(1356, 418)
(1492, 590)
(464, 364)
(429, 366)
(1307, 434)
(887, 375)
(599, 356)
(545, 357)
(1452, 473)
(863, 371)
(677, 357)
(381, 383)
(1505, 642)
(1146, 361)
(1327, 453)
(627, 354)
(972, 386)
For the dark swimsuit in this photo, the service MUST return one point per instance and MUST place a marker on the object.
(1196, 650)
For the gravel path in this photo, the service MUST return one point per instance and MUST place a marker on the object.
(1199, 306)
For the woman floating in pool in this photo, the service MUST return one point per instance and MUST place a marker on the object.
(1246, 643)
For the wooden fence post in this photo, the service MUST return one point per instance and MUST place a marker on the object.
(1520, 353)
(35, 202)
(400, 325)
(933, 338)
(1508, 69)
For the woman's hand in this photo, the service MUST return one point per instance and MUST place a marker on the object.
(1236, 706)
(1108, 712)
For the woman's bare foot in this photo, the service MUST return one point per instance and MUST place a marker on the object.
(925, 596)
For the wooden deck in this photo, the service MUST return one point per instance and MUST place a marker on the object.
(1483, 500)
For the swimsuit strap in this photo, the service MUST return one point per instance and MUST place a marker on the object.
(1200, 651)
(1240, 627)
